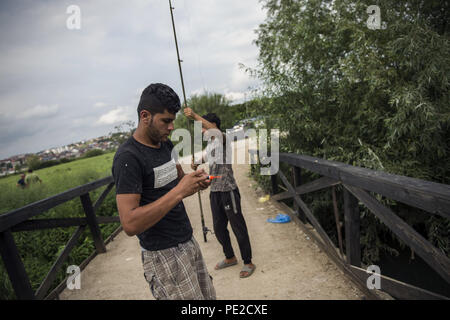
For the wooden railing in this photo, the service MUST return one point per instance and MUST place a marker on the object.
(357, 182)
(18, 221)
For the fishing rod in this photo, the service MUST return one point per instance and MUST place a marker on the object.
(204, 228)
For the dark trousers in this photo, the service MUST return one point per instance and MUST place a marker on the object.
(226, 206)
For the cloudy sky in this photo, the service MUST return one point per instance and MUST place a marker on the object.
(60, 85)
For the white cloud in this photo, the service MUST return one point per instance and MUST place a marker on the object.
(39, 111)
(119, 114)
(198, 92)
(100, 104)
(235, 96)
(87, 79)
(239, 78)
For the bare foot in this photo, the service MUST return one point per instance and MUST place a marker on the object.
(247, 270)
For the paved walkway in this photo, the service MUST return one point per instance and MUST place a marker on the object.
(289, 265)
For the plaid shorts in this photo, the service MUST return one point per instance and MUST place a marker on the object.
(178, 273)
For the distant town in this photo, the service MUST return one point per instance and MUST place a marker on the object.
(19, 163)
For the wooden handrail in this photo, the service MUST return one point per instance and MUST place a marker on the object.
(429, 196)
(9, 219)
(17, 220)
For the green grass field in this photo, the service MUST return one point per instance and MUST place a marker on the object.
(55, 179)
(39, 249)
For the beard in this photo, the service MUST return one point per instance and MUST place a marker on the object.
(154, 135)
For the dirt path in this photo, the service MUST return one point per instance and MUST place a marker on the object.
(289, 265)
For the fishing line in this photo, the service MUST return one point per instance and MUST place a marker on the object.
(199, 69)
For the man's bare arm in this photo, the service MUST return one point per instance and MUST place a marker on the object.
(205, 123)
(192, 115)
(180, 171)
(136, 219)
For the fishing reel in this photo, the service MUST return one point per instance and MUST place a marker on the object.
(205, 232)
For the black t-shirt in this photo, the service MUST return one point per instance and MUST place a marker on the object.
(152, 172)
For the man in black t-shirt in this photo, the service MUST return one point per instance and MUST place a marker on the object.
(150, 187)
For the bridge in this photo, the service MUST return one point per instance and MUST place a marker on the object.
(295, 260)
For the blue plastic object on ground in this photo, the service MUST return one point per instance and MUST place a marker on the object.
(280, 218)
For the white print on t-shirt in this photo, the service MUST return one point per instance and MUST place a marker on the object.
(165, 173)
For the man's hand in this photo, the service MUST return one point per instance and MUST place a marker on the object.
(194, 166)
(188, 112)
(193, 182)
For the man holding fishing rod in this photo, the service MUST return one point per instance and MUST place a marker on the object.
(225, 198)
(150, 187)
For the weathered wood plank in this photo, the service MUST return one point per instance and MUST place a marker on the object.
(429, 196)
(93, 223)
(307, 212)
(332, 254)
(54, 295)
(421, 194)
(432, 256)
(274, 183)
(106, 219)
(315, 185)
(14, 217)
(51, 275)
(297, 177)
(40, 224)
(352, 229)
(15, 268)
(399, 289)
(336, 219)
(102, 197)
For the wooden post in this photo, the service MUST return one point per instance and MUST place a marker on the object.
(274, 182)
(52, 274)
(297, 174)
(14, 266)
(352, 229)
(93, 223)
(336, 218)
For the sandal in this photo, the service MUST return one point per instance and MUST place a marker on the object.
(223, 264)
(247, 269)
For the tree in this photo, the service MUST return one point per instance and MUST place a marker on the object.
(203, 104)
(17, 167)
(371, 98)
(33, 162)
(211, 103)
(93, 153)
(376, 98)
(123, 131)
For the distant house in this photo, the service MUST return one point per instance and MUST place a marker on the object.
(73, 150)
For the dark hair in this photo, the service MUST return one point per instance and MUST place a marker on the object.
(212, 117)
(30, 170)
(158, 97)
